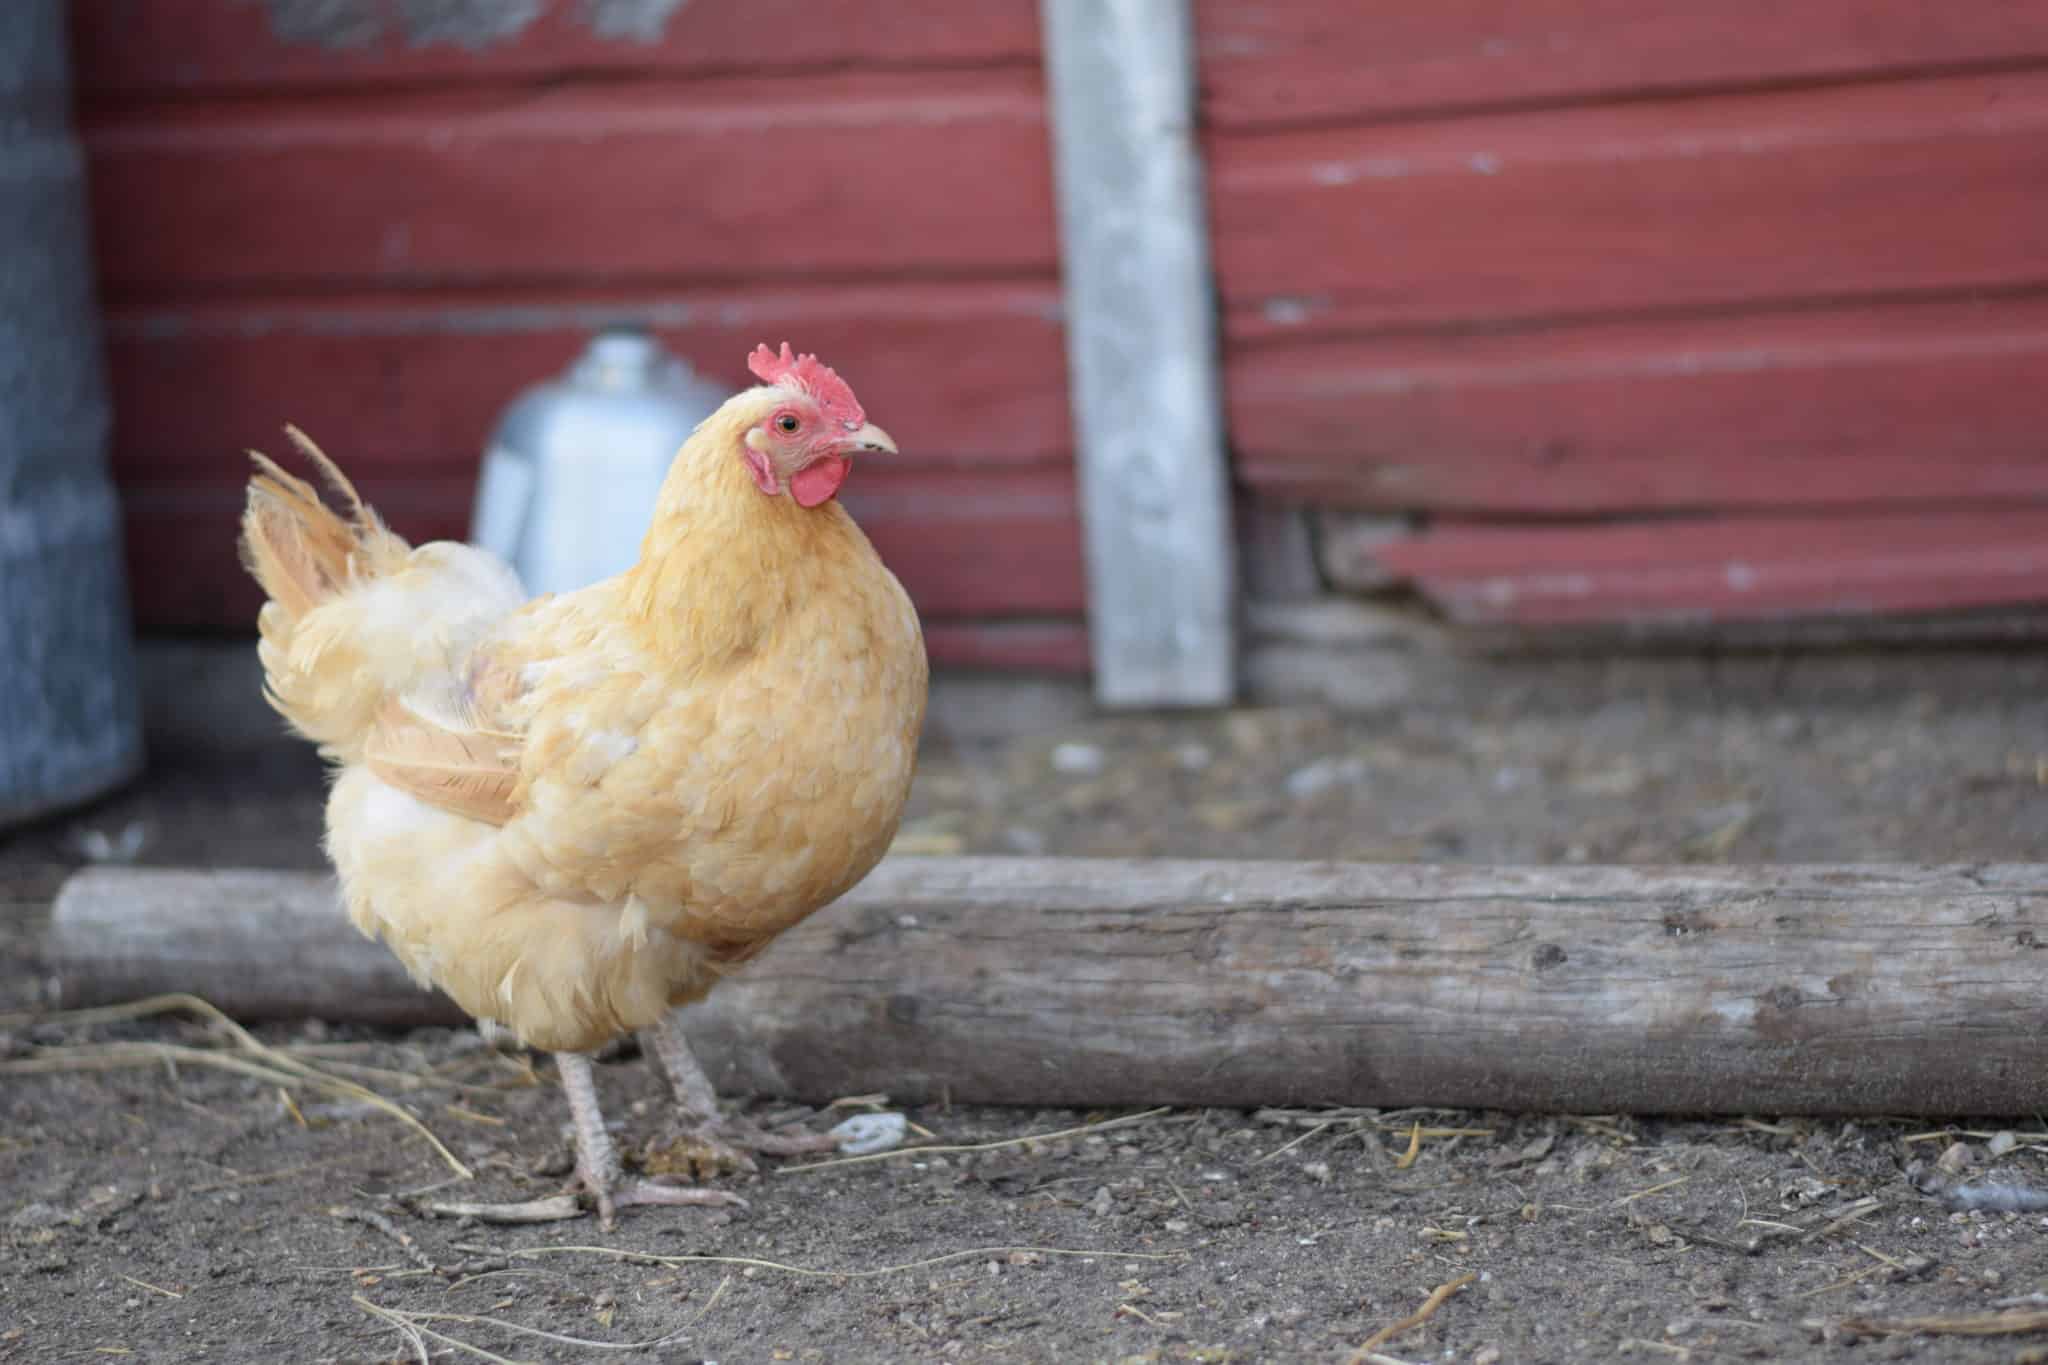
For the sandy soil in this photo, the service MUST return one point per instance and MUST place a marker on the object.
(175, 1212)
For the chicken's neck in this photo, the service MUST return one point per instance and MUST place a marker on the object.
(723, 565)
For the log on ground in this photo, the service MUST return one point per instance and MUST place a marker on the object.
(1845, 990)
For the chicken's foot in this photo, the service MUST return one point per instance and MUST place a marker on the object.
(598, 1172)
(703, 1138)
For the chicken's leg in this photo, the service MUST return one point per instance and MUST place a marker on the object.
(597, 1160)
(704, 1136)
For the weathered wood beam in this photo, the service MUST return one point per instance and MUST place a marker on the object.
(1141, 350)
(1853, 990)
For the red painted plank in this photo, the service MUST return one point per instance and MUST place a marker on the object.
(718, 180)
(966, 543)
(1919, 185)
(956, 372)
(1059, 646)
(156, 47)
(1846, 407)
(1690, 572)
(1298, 61)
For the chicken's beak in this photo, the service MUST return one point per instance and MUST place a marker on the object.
(869, 437)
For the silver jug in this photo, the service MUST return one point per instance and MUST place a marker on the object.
(569, 479)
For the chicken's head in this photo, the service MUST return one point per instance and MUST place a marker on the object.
(806, 426)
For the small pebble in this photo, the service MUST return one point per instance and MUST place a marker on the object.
(1313, 779)
(37, 1215)
(1077, 760)
(866, 1133)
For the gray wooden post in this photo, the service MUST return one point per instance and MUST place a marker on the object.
(1141, 351)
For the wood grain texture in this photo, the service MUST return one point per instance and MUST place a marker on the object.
(192, 47)
(742, 178)
(1142, 352)
(1827, 990)
(1056, 646)
(1730, 569)
(1048, 646)
(1285, 62)
(1737, 200)
(968, 543)
(1848, 407)
(960, 373)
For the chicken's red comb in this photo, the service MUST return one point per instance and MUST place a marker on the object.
(806, 375)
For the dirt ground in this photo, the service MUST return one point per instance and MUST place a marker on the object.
(178, 1212)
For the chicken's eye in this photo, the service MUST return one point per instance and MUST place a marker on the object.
(787, 423)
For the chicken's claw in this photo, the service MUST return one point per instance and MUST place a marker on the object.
(598, 1173)
(661, 1190)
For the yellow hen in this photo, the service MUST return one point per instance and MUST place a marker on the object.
(572, 814)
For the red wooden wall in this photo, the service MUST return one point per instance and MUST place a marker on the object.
(1660, 310)
(1650, 310)
(334, 216)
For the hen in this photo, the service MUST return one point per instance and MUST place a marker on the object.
(574, 814)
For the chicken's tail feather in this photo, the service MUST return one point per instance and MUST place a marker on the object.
(299, 550)
(305, 555)
(331, 472)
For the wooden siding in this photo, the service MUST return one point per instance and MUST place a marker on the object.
(1843, 408)
(1627, 296)
(744, 179)
(382, 233)
(131, 48)
(1283, 63)
(1781, 269)
(1631, 208)
(1660, 574)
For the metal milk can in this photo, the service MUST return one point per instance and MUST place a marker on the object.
(569, 480)
(70, 714)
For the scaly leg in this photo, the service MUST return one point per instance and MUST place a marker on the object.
(708, 1138)
(597, 1161)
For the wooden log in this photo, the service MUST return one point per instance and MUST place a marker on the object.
(1848, 990)
(260, 944)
